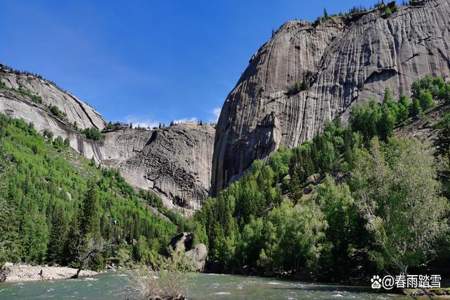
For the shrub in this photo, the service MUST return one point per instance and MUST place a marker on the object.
(159, 285)
(92, 133)
(35, 98)
(426, 100)
(48, 134)
(297, 88)
(61, 143)
(415, 109)
(57, 112)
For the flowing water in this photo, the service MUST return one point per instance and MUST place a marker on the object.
(199, 286)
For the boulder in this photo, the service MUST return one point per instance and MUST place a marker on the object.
(196, 254)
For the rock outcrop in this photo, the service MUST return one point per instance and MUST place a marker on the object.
(174, 162)
(308, 74)
(32, 87)
(195, 254)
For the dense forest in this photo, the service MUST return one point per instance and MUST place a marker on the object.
(59, 208)
(354, 200)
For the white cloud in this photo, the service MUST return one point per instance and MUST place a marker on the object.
(141, 122)
(186, 120)
(216, 113)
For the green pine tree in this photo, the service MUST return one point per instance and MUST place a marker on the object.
(58, 230)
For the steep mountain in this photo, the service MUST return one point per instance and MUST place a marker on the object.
(311, 73)
(174, 162)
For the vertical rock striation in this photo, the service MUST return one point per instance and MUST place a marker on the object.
(309, 74)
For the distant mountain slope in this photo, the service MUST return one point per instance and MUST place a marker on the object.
(176, 165)
(75, 110)
(309, 74)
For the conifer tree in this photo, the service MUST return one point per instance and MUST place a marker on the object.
(56, 241)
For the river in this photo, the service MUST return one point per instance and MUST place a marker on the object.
(199, 286)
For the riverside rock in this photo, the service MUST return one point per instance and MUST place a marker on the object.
(196, 254)
(307, 74)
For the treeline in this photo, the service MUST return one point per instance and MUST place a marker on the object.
(56, 207)
(353, 201)
(386, 9)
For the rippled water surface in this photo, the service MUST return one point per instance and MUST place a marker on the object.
(199, 286)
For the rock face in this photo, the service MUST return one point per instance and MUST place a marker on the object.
(174, 162)
(76, 111)
(198, 256)
(32, 98)
(332, 65)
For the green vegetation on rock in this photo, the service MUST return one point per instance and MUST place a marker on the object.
(92, 134)
(56, 207)
(56, 111)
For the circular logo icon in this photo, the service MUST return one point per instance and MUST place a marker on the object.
(388, 282)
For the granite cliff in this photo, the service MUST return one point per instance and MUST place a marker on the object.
(311, 73)
(174, 162)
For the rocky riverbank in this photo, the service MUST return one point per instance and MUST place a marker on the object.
(23, 272)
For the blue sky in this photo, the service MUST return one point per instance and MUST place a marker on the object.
(146, 61)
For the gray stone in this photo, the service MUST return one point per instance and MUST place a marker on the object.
(198, 256)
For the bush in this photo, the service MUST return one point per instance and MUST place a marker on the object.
(59, 142)
(48, 134)
(57, 112)
(436, 86)
(426, 100)
(297, 88)
(92, 133)
(35, 98)
(159, 285)
(415, 109)
(387, 12)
